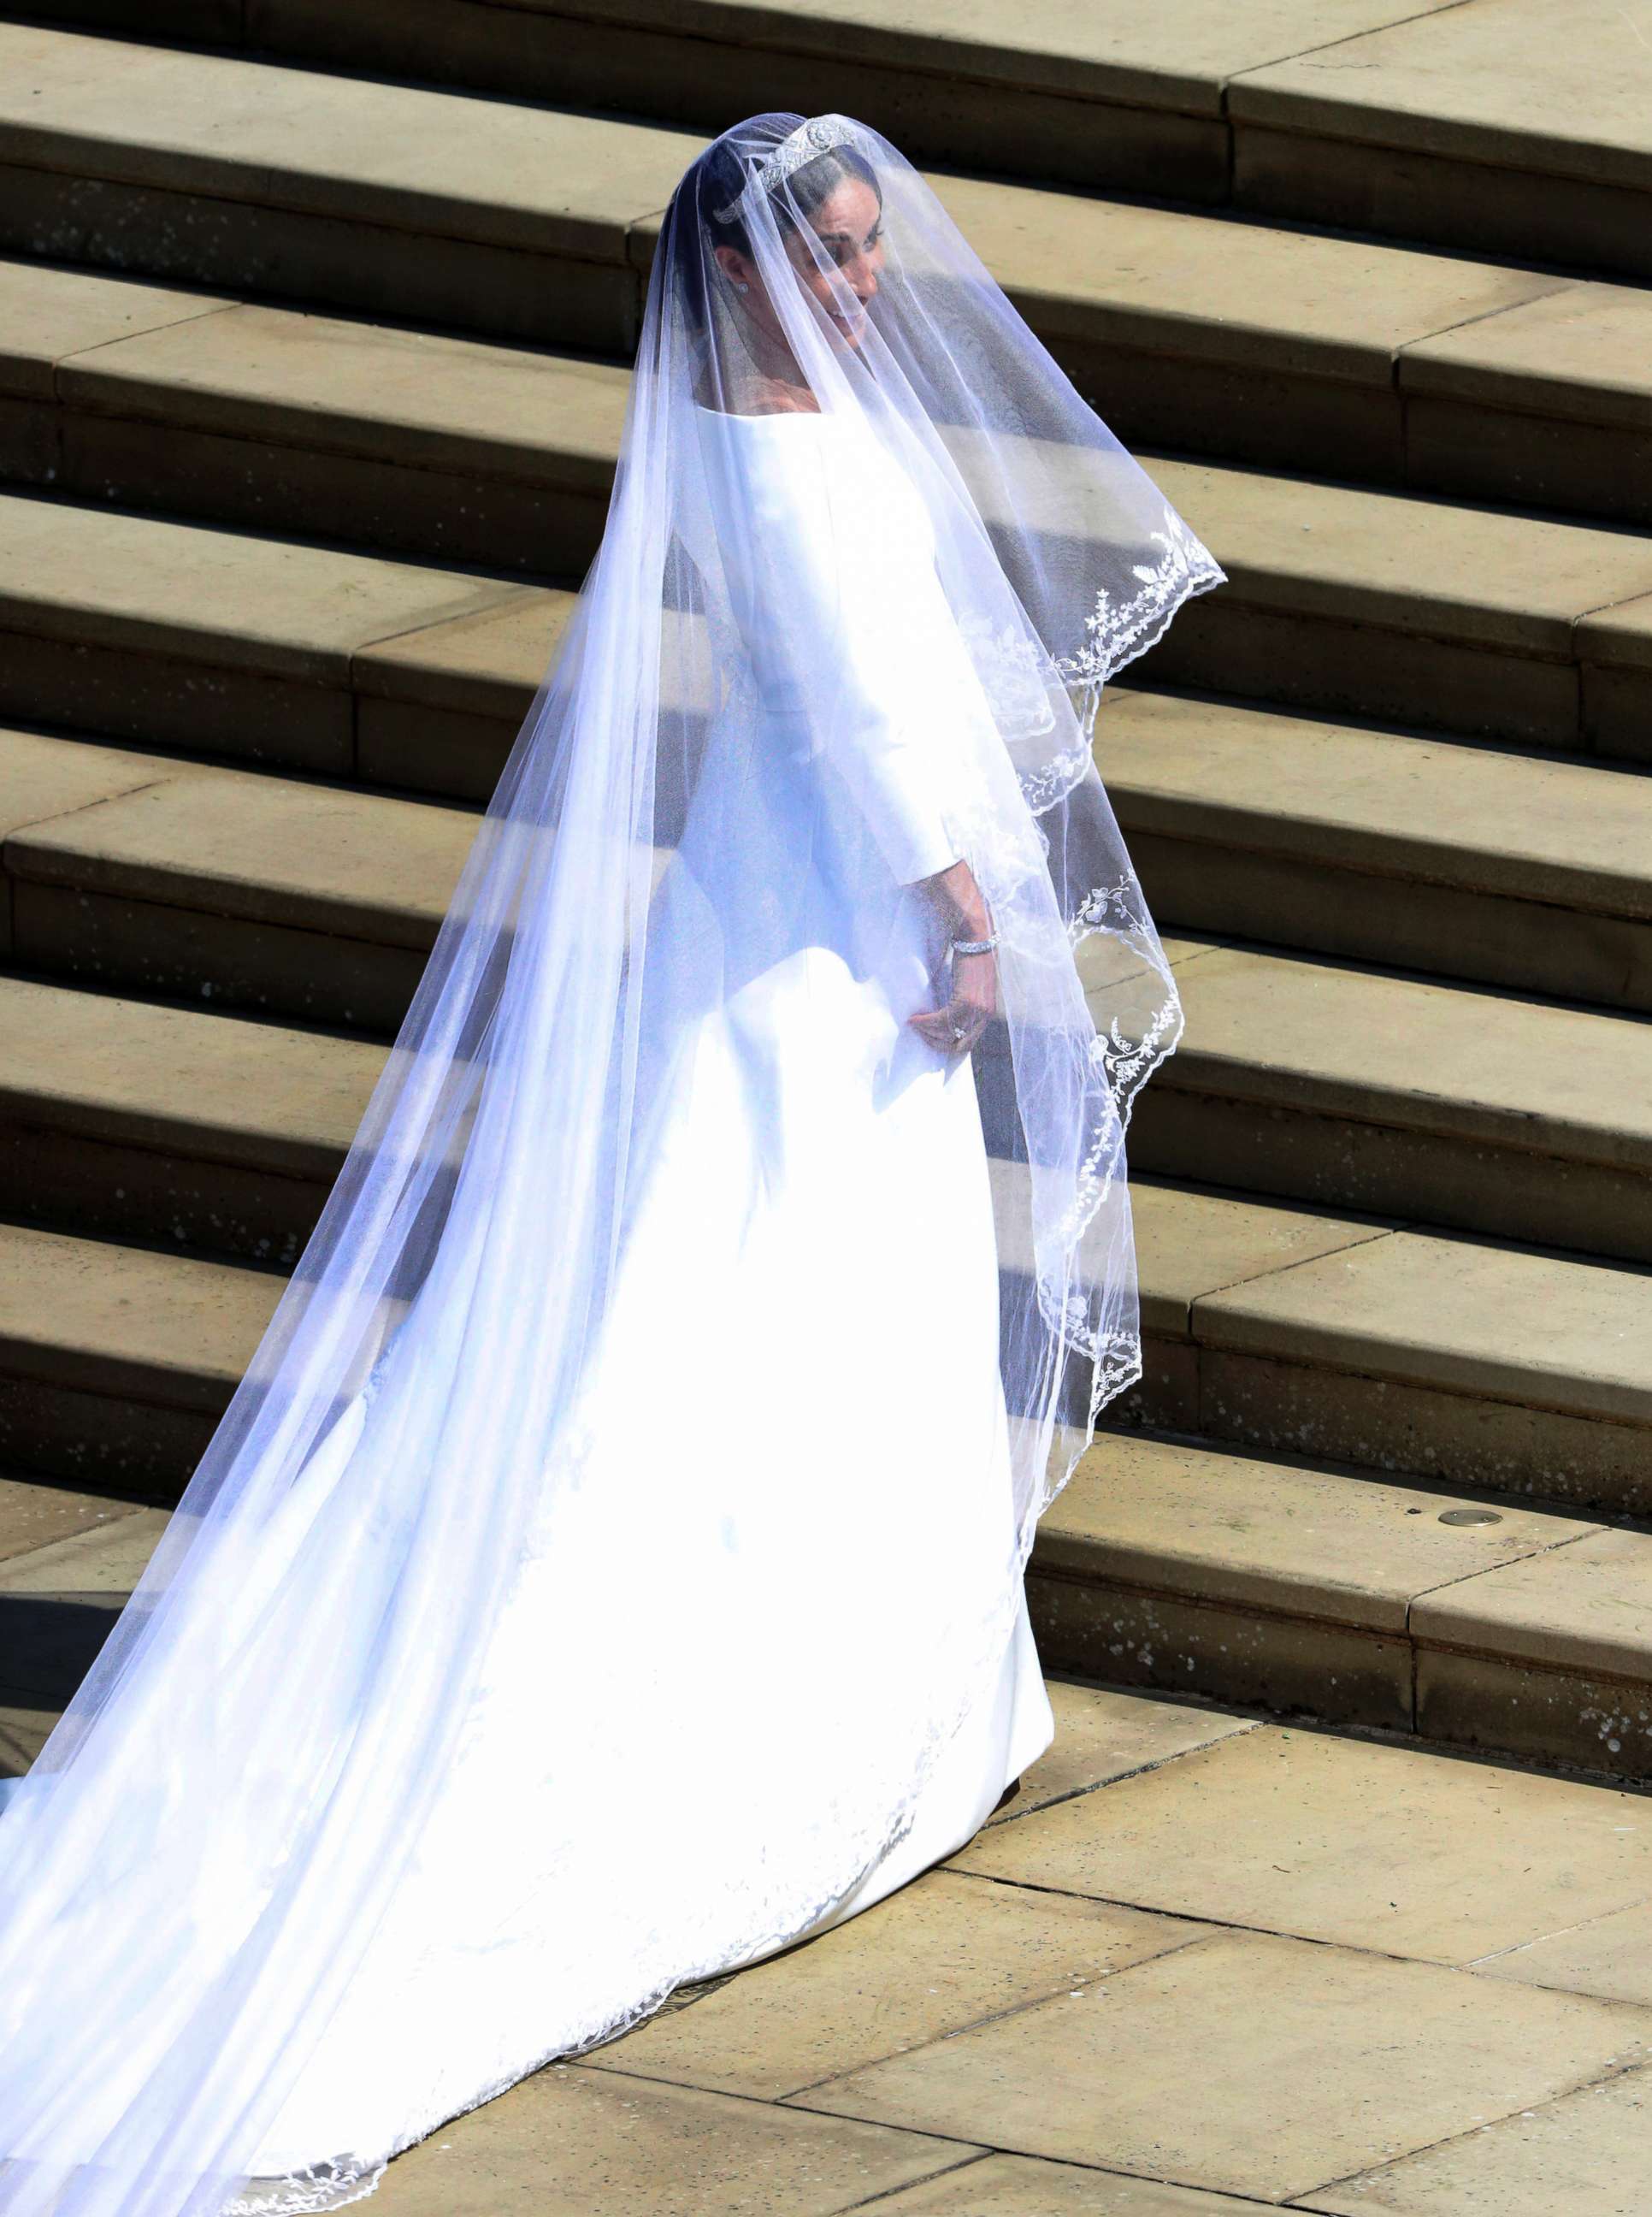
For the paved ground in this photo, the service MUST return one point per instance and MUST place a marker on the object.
(1391, 1193)
(1203, 1961)
(1201, 1964)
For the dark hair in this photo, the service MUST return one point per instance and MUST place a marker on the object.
(718, 178)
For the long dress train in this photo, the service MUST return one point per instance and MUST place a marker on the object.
(692, 1653)
(609, 1571)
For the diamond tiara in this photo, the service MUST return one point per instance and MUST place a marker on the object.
(809, 140)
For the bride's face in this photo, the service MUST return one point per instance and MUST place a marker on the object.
(849, 225)
(848, 228)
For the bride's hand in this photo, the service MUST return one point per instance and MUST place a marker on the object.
(954, 1027)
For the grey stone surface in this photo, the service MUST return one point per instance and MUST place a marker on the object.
(1467, 1315)
(101, 578)
(404, 156)
(1299, 1539)
(1179, 56)
(942, 1957)
(1507, 83)
(1247, 2063)
(93, 1066)
(570, 2140)
(1570, 1084)
(1404, 1852)
(1384, 803)
(1582, 2153)
(90, 1316)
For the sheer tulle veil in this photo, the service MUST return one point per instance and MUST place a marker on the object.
(216, 1828)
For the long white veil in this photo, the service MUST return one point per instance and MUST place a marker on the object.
(214, 1831)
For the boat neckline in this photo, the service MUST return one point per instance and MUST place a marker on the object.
(767, 415)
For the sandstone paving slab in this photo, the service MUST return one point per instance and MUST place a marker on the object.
(1021, 2186)
(1564, 832)
(1579, 350)
(267, 849)
(1361, 1844)
(343, 386)
(1620, 635)
(47, 314)
(939, 1954)
(401, 155)
(23, 1734)
(1219, 290)
(43, 775)
(571, 2141)
(1177, 55)
(107, 1562)
(1585, 2153)
(169, 1329)
(1471, 1317)
(1101, 1735)
(1547, 406)
(1555, 1661)
(1477, 1068)
(1248, 2063)
(204, 1085)
(1510, 83)
(427, 401)
(97, 577)
(1311, 1542)
(35, 1515)
(1584, 1608)
(486, 664)
(1201, 287)
(1188, 1245)
(1484, 577)
(1610, 1955)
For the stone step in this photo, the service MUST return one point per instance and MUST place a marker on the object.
(128, 1120)
(1501, 127)
(1167, 1565)
(68, 1561)
(1342, 1088)
(199, 883)
(1238, 338)
(460, 450)
(1307, 1587)
(1493, 624)
(1270, 1325)
(144, 874)
(264, 650)
(1470, 861)
(1356, 1089)
(117, 1362)
(1375, 116)
(1396, 1347)
(385, 198)
(1375, 604)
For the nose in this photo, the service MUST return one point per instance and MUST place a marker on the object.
(862, 275)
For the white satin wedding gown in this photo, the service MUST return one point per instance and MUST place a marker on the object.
(708, 1632)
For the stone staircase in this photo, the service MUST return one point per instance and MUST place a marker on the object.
(312, 338)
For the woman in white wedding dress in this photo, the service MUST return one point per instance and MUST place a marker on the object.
(611, 1570)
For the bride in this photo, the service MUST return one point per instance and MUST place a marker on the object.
(610, 1569)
